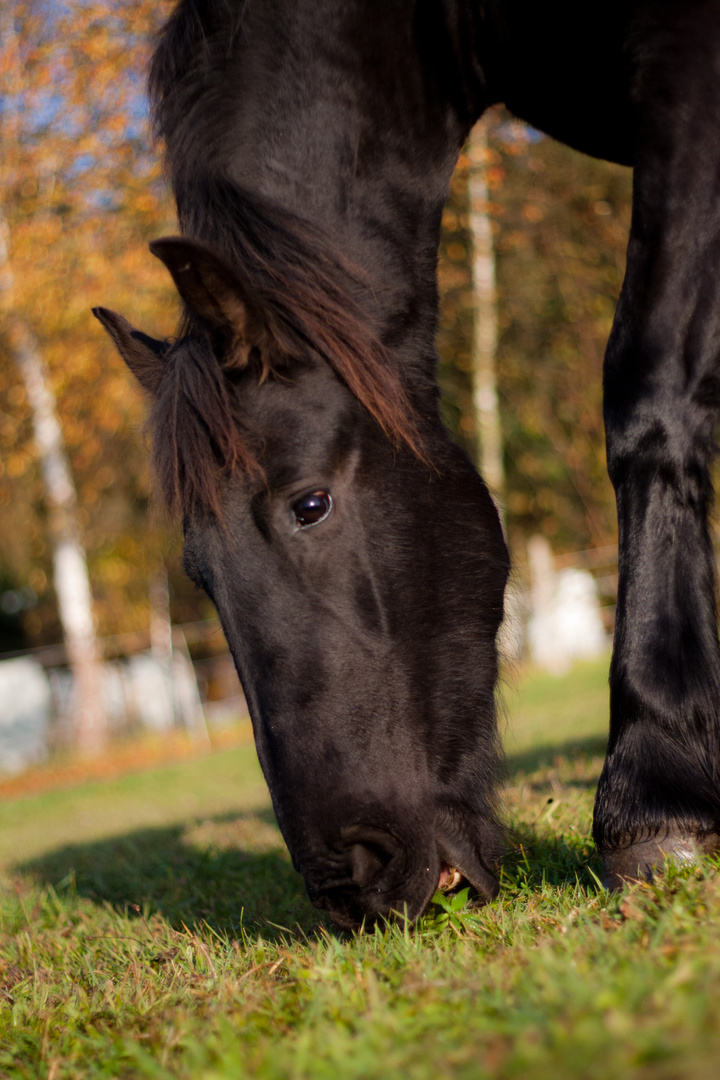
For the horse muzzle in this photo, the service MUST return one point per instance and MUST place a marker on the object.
(371, 875)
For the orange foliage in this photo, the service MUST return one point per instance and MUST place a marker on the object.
(82, 194)
(560, 225)
(81, 191)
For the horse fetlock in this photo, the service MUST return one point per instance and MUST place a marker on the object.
(641, 859)
(658, 796)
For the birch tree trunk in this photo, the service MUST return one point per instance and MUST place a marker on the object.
(485, 329)
(70, 574)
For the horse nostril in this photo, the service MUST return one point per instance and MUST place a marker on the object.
(367, 861)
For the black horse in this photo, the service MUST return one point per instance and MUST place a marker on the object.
(354, 555)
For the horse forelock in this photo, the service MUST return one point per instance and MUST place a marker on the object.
(303, 293)
(196, 435)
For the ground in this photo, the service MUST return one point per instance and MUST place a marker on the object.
(151, 926)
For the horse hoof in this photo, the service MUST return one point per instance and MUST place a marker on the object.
(638, 861)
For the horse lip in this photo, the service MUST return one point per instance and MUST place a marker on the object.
(482, 880)
(460, 861)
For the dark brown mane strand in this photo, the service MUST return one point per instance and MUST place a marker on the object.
(195, 434)
(307, 289)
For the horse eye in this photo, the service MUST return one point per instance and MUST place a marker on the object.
(312, 509)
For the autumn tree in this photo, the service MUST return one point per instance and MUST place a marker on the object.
(560, 225)
(83, 196)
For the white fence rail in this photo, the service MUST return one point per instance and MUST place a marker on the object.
(143, 689)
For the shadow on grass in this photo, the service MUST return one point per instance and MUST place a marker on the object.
(537, 859)
(188, 881)
(233, 870)
(542, 757)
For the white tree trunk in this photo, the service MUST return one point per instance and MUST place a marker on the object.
(70, 574)
(485, 333)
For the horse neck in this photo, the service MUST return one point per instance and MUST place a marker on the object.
(351, 116)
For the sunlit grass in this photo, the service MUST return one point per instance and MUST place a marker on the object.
(181, 944)
(545, 713)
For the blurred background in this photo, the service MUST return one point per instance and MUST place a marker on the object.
(102, 637)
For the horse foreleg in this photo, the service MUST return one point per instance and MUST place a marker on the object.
(659, 793)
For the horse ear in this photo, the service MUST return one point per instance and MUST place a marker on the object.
(142, 354)
(208, 286)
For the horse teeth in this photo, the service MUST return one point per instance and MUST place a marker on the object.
(455, 879)
(451, 881)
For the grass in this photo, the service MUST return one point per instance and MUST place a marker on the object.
(152, 926)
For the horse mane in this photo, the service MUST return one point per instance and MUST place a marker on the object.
(306, 291)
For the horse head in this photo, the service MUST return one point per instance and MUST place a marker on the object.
(357, 564)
